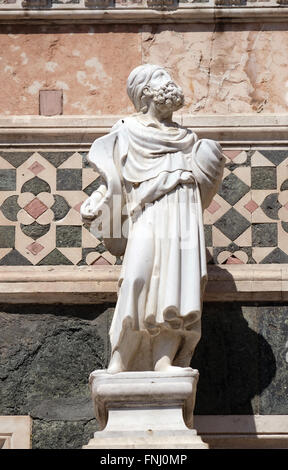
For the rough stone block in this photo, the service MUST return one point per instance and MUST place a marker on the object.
(47, 354)
(8, 180)
(69, 179)
(68, 236)
(273, 326)
(263, 178)
(7, 236)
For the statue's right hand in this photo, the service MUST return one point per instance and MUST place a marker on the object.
(90, 208)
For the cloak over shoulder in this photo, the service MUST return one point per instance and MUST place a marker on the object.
(134, 153)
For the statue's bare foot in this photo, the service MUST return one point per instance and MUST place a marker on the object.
(173, 369)
(114, 370)
(164, 365)
(116, 364)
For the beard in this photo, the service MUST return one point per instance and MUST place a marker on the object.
(169, 96)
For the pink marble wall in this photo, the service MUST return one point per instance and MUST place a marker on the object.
(88, 63)
(223, 69)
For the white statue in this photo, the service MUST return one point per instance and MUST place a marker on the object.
(162, 176)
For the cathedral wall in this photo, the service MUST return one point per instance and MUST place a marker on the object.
(63, 84)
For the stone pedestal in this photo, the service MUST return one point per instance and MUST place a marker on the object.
(145, 410)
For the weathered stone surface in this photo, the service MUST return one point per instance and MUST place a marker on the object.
(14, 258)
(10, 208)
(15, 158)
(264, 234)
(7, 236)
(271, 206)
(229, 357)
(89, 66)
(232, 189)
(68, 236)
(93, 186)
(7, 180)
(55, 257)
(60, 207)
(47, 354)
(56, 158)
(263, 178)
(232, 224)
(69, 179)
(35, 230)
(228, 68)
(208, 234)
(275, 156)
(62, 435)
(35, 186)
(273, 326)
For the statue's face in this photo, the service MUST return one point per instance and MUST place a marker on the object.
(164, 93)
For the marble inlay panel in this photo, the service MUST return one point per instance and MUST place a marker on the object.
(41, 193)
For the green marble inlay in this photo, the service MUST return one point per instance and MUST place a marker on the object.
(10, 208)
(35, 230)
(54, 258)
(68, 236)
(273, 326)
(7, 236)
(69, 179)
(35, 186)
(8, 180)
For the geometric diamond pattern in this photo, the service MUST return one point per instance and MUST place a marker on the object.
(41, 195)
(232, 224)
(233, 189)
(36, 168)
(35, 248)
(35, 208)
(250, 220)
(40, 219)
(251, 206)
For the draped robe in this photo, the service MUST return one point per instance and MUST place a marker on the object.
(164, 178)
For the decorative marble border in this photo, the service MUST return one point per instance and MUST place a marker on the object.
(98, 284)
(219, 431)
(81, 131)
(15, 432)
(41, 193)
(45, 177)
(152, 11)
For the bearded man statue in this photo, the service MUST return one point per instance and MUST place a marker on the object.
(161, 177)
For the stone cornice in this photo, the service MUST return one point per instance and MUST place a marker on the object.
(81, 131)
(211, 12)
(98, 284)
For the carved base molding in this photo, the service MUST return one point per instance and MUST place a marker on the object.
(98, 284)
(15, 432)
(144, 410)
(222, 11)
(218, 431)
(81, 131)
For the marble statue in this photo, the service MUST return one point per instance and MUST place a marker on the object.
(159, 177)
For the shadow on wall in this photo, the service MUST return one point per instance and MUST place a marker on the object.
(235, 362)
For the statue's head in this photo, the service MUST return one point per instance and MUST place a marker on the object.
(152, 83)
